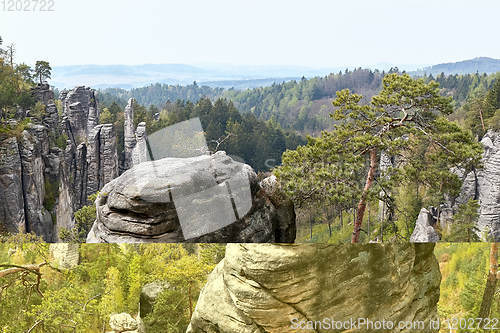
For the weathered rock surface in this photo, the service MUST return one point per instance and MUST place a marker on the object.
(45, 95)
(125, 323)
(424, 231)
(30, 163)
(129, 135)
(22, 183)
(66, 255)
(149, 293)
(12, 214)
(102, 158)
(285, 209)
(81, 112)
(263, 287)
(208, 198)
(484, 185)
(32, 148)
(488, 183)
(140, 151)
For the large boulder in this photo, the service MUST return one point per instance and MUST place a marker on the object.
(424, 231)
(270, 288)
(125, 323)
(149, 294)
(208, 198)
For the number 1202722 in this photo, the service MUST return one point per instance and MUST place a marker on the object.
(27, 5)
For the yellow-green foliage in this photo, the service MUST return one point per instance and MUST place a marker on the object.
(108, 279)
(464, 269)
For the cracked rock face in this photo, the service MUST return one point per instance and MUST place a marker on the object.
(264, 287)
(208, 198)
(488, 183)
(80, 111)
(12, 214)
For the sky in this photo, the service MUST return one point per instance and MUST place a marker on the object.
(313, 33)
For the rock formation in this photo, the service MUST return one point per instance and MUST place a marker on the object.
(12, 212)
(488, 186)
(285, 211)
(484, 185)
(66, 255)
(267, 288)
(125, 323)
(149, 294)
(208, 198)
(129, 135)
(424, 231)
(90, 157)
(79, 112)
(42, 185)
(140, 151)
(33, 146)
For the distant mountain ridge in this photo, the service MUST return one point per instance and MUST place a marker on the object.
(470, 66)
(228, 76)
(134, 76)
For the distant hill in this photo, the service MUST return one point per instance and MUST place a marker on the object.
(247, 84)
(134, 76)
(480, 64)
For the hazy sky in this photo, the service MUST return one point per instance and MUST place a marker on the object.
(258, 32)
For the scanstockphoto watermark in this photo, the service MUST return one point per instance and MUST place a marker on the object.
(27, 5)
(381, 325)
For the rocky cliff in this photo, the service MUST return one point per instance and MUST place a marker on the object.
(487, 184)
(268, 288)
(208, 198)
(43, 184)
(482, 185)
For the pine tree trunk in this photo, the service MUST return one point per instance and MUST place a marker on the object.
(491, 283)
(362, 201)
(329, 223)
(482, 120)
(190, 302)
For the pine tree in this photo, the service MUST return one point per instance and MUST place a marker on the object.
(407, 114)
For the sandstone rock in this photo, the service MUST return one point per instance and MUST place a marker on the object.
(125, 323)
(66, 255)
(424, 231)
(149, 293)
(140, 151)
(80, 110)
(129, 134)
(43, 93)
(32, 150)
(285, 209)
(108, 155)
(488, 182)
(198, 199)
(12, 213)
(102, 158)
(263, 287)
